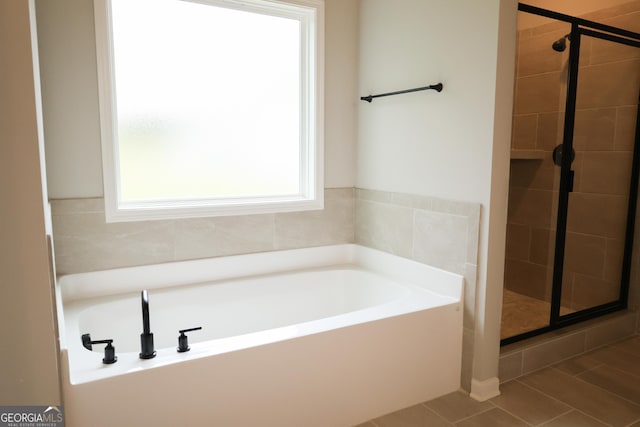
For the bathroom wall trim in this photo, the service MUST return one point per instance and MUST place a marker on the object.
(485, 390)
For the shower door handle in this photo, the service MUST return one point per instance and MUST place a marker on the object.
(570, 186)
(556, 155)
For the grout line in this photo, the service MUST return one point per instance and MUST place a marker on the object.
(512, 414)
(424, 405)
(599, 364)
(625, 351)
(569, 357)
(493, 406)
(544, 394)
(591, 417)
(632, 423)
(606, 389)
(564, 403)
(601, 388)
(570, 409)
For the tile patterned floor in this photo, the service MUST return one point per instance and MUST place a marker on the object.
(521, 313)
(600, 388)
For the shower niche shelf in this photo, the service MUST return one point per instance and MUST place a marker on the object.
(528, 154)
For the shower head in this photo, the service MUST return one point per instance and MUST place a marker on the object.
(561, 44)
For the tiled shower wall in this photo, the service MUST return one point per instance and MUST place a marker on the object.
(437, 232)
(537, 125)
(609, 82)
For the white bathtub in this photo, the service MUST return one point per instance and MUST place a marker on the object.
(328, 336)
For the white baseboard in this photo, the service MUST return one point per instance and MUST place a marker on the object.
(485, 390)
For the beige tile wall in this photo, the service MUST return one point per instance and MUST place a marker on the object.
(433, 231)
(437, 232)
(85, 242)
(538, 123)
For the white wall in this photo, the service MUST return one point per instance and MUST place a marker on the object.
(28, 360)
(70, 96)
(452, 145)
(406, 141)
(341, 94)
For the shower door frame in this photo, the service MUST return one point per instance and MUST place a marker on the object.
(580, 27)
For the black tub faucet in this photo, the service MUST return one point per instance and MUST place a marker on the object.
(109, 351)
(146, 337)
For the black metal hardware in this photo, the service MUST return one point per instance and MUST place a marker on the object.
(579, 21)
(109, 350)
(437, 87)
(146, 337)
(86, 342)
(183, 340)
(561, 44)
(557, 155)
(571, 180)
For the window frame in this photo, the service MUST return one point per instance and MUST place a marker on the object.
(310, 14)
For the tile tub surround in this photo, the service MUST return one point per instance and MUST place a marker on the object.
(85, 242)
(437, 232)
(440, 233)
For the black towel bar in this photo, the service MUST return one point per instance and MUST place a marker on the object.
(437, 87)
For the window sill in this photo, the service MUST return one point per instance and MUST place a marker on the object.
(198, 209)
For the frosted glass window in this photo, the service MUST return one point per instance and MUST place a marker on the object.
(212, 107)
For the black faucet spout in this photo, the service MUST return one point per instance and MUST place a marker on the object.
(146, 327)
(146, 337)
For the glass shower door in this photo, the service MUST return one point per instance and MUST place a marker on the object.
(595, 270)
(573, 182)
(538, 123)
